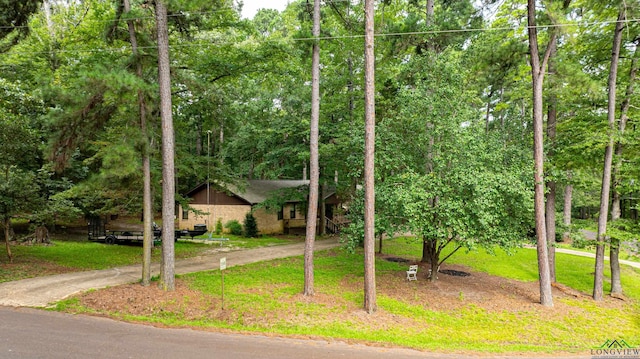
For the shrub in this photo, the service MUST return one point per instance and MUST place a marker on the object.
(234, 227)
(219, 226)
(580, 241)
(250, 226)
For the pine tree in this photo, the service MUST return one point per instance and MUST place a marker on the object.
(250, 226)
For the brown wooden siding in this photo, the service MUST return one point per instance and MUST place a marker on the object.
(216, 198)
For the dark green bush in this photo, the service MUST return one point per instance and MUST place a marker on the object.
(234, 227)
(580, 241)
(250, 226)
(219, 226)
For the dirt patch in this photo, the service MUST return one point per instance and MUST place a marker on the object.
(449, 293)
(137, 300)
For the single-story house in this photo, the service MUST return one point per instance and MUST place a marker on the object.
(234, 202)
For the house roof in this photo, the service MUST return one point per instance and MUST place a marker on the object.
(255, 191)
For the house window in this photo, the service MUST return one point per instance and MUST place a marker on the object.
(281, 213)
(185, 214)
(292, 212)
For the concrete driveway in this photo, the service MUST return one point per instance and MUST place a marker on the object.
(592, 255)
(43, 291)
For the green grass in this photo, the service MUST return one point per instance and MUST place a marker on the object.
(74, 255)
(265, 298)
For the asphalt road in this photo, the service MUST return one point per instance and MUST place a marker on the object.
(30, 333)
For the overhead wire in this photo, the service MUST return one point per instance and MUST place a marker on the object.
(326, 38)
(230, 8)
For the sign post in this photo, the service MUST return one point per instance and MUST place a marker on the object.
(223, 266)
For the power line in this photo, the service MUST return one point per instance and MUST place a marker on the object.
(435, 32)
(126, 48)
(231, 8)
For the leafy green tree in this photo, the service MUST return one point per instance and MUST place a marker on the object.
(19, 189)
(475, 206)
(147, 202)
(24, 187)
(431, 25)
(14, 16)
(474, 192)
(17, 194)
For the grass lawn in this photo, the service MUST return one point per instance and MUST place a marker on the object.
(265, 298)
(67, 256)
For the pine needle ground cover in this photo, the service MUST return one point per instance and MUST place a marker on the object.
(492, 308)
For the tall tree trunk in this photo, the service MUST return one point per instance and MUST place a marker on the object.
(370, 305)
(167, 271)
(314, 180)
(614, 250)
(54, 63)
(537, 75)
(432, 253)
(429, 17)
(199, 139)
(430, 11)
(550, 224)
(46, 5)
(426, 244)
(550, 210)
(598, 281)
(221, 141)
(426, 247)
(147, 212)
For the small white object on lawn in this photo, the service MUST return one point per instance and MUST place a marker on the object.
(412, 273)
